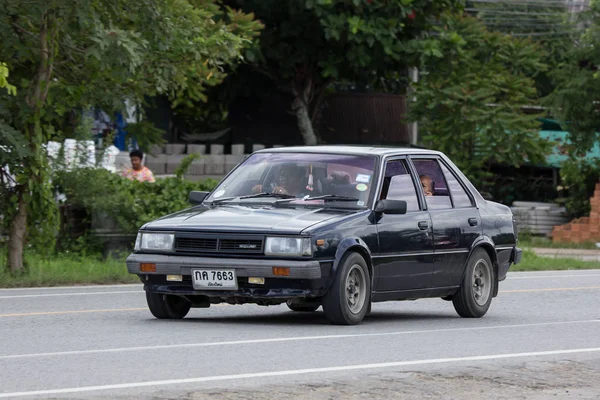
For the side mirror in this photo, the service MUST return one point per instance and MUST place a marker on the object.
(197, 197)
(391, 207)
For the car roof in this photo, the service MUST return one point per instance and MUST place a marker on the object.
(351, 150)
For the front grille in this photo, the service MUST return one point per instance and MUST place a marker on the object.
(192, 244)
(201, 243)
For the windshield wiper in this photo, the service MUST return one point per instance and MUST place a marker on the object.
(264, 194)
(332, 197)
(217, 201)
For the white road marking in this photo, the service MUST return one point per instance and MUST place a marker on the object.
(266, 374)
(550, 276)
(124, 285)
(22, 296)
(287, 339)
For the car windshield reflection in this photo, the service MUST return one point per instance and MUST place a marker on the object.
(289, 177)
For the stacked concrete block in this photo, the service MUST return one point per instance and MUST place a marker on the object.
(213, 163)
(217, 149)
(174, 149)
(157, 163)
(196, 149)
(173, 161)
(581, 230)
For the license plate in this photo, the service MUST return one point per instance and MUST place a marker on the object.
(214, 279)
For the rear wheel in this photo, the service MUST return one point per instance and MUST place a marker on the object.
(474, 297)
(302, 306)
(166, 306)
(348, 299)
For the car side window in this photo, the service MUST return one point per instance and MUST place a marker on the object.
(433, 184)
(459, 196)
(398, 185)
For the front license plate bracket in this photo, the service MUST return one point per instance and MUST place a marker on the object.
(214, 279)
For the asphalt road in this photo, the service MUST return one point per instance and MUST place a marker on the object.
(540, 339)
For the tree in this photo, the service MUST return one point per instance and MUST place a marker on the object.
(68, 54)
(307, 45)
(470, 96)
(547, 23)
(575, 100)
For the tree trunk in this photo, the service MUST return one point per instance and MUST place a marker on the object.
(16, 239)
(35, 99)
(304, 123)
(303, 89)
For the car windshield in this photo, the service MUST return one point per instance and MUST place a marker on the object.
(297, 178)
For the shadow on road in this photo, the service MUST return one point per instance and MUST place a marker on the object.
(308, 318)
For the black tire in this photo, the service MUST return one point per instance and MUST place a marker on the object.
(301, 306)
(473, 298)
(348, 299)
(166, 306)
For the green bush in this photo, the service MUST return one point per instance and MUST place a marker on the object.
(130, 204)
(578, 180)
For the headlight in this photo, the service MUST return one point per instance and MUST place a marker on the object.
(288, 246)
(154, 241)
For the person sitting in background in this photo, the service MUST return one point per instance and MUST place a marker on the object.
(138, 171)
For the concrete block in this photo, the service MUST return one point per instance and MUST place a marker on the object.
(257, 147)
(237, 149)
(157, 149)
(196, 149)
(161, 158)
(122, 160)
(157, 168)
(175, 148)
(196, 168)
(231, 161)
(173, 162)
(214, 165)
(217, 149)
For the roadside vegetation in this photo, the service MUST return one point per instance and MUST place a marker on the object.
(73, 269)
(533, 262)
(65, 269)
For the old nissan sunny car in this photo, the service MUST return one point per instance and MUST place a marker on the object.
(334, 226)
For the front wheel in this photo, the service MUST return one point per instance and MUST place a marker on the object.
(167, 306)
(474, 297)
(348, 299)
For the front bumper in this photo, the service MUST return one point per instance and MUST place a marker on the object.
(307, 279)
(182, 265)
(517, 255)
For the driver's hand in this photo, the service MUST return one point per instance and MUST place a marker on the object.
(257, 189)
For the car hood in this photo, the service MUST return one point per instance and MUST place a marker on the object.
(242, 218)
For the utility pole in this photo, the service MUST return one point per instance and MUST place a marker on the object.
(413, 126)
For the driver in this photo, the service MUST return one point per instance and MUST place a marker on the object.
(292, 181)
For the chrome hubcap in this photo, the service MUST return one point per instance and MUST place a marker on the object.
(482, 282)
(356, 289)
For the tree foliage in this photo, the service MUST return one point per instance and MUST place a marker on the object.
(575, 100)
(308, 44)
(68, 54)
(470, 94)
(547, 23)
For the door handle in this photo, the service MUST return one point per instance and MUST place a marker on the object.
(473, 221)
(423, 225)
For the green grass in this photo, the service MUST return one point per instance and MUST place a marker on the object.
(536, 241)
(66, 269)
(533, 262)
